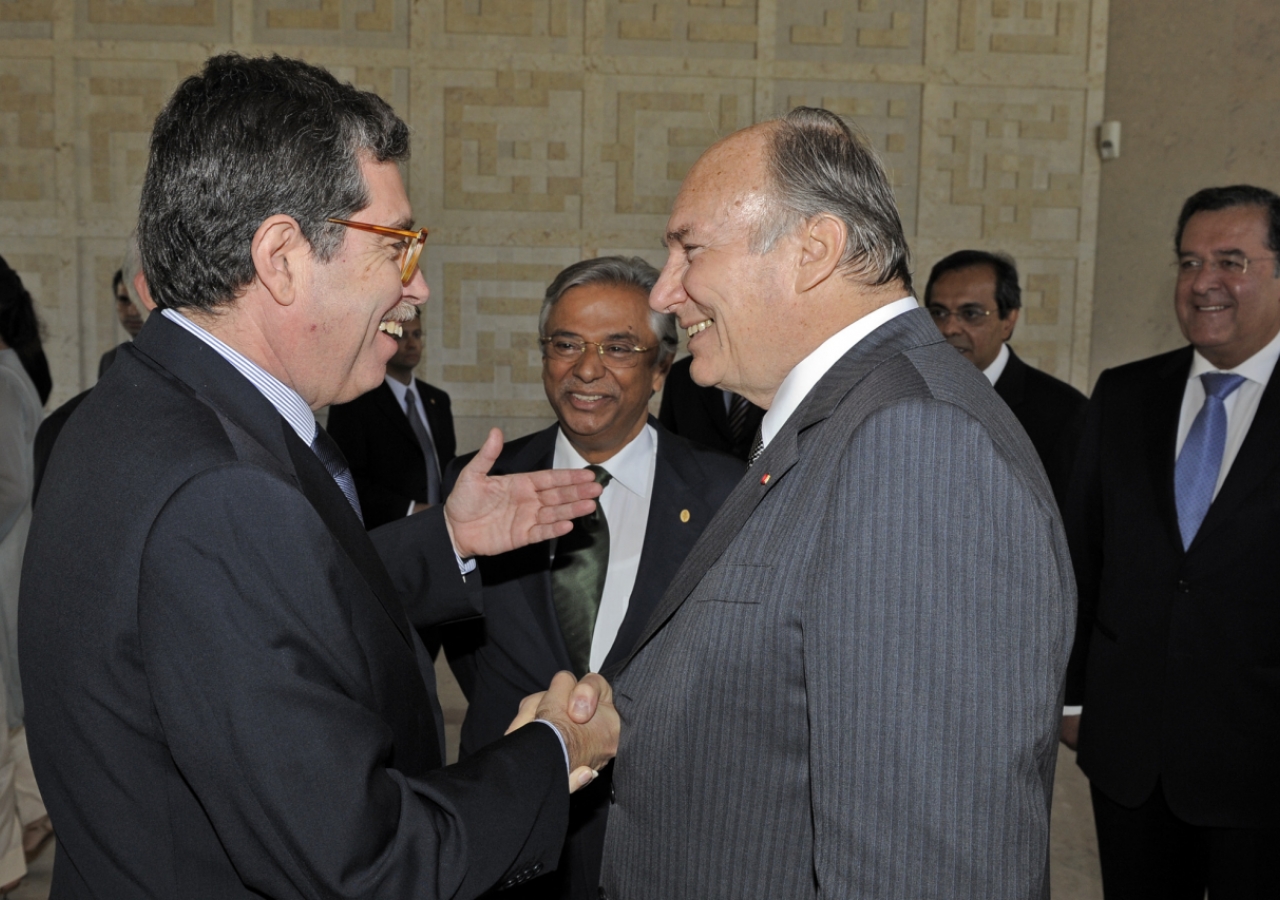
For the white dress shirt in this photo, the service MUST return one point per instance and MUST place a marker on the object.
(996, 369)
(1241, 405)
(809, 371)
(401, 391)
(625, 503)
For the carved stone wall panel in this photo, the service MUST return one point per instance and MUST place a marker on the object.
(156, 20)
(1042, 39)
(523, 26)
(28, 145)
(508, 150)
(26, 19)
(889, 116)
(1002, 164)
(345, 23)
(116, 106)
(644, 133)
(875, 31)
(724, 29)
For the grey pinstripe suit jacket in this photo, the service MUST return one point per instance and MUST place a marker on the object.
(852, 686)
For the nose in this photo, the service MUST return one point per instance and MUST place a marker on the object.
(590, 365)
(668, 292)
(416, 291)
(949, 326)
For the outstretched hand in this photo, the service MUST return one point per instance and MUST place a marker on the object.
(491, 514)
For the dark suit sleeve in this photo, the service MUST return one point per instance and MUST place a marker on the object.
(259, 682)
(431, 584)
(1083, 518)
(347, 427)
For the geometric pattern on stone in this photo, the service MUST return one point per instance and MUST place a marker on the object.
(878, 31)
(515, 147)
(348, 23)
(1002, 164)
(175, 20)
(31, 19)
(28, 149)
(1039, 27)
(888, 115)
(697, 29)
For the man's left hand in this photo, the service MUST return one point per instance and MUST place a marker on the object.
(491, 514)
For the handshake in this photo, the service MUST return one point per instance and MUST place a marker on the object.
(583, 713)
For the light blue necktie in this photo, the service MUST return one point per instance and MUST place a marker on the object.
(1196, 473)
(326, 448)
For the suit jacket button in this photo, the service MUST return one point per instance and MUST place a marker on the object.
(604, 895)
(613, 797)
(1184, 586)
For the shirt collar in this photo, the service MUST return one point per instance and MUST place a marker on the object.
(285, 399)
(996, 369)
(631, 466)
(399, 390)
(1257, 368)
(809, 371)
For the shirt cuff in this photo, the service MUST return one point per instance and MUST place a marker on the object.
(409, 511)
(466, 567)
(1072, 710)
(563, 745)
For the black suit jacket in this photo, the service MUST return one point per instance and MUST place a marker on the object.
(225, 696)
(1051, 411)
(698, 414)
(385, 459)
(518, 647)
(1177, 653)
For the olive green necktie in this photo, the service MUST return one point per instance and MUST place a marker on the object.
(577, 579)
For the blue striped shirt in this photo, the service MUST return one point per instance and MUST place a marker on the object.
(286, 400)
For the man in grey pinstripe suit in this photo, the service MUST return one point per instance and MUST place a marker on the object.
(852, 687)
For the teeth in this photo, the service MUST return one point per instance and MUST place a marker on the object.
(391, 328)
(1211, 308)
(701, 326)
(588, 398)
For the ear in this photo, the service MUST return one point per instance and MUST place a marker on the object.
(1007, 323)
(144, 291)
(278, 250)
(822, 242)
(660, 372)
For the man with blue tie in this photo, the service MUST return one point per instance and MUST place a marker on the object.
(1173, 514)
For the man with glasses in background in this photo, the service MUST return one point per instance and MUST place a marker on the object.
(974, 299)
(225, 696)
(1173, 518)
(581, 601)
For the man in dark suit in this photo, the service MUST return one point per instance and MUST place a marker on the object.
(605, 353)
(1172, 517)
(719, 419)
(398, 437)
(974, 299)
(225, 697)
(852, 686)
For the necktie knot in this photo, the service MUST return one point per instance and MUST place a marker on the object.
(1219, 385)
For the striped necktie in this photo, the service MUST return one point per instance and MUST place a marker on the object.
(327, 450)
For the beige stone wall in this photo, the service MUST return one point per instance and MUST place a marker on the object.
(1197, 89)
(550, 130)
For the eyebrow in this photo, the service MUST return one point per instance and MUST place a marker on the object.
(616, 336)
(677, 236)
(1229, 252)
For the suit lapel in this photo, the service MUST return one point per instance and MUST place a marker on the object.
(901, 333)
(213, 381)
(390, 407)
(666, 536)
(1011, 385)
(1255, 461)
(1163, 408)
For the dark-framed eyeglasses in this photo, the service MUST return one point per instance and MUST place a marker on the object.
(1228, 265)
(409, 255)
(970, 315)
(614, 354)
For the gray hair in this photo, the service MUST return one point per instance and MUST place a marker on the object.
(622, 271)
(817, 164)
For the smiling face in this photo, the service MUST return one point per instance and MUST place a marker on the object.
(732, 302)
(339, 350)
(1228, 317)
(602, 409)
(971, 291)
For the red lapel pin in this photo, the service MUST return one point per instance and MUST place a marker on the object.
(764, 479)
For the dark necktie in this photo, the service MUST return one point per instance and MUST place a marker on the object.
(739, 410)
(757, 446)
(327, 450)
(577, 579)
(428, 448)
(1196, 473)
